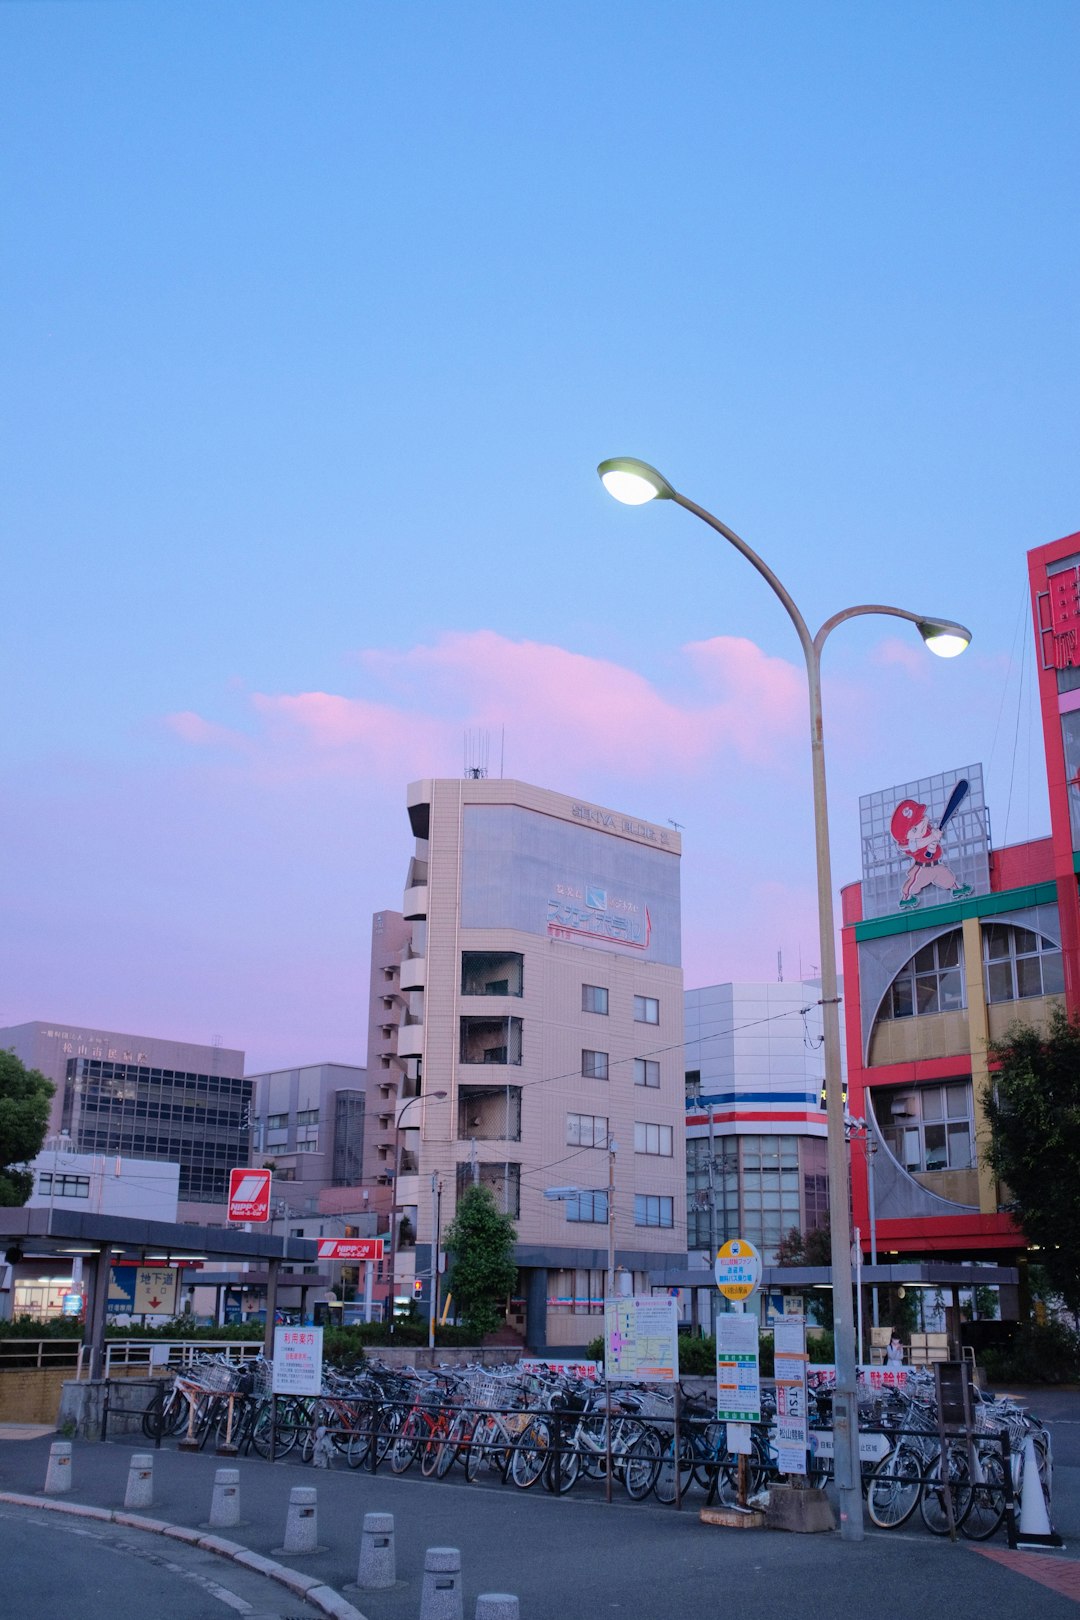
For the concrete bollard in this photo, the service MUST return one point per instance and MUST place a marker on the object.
(377, 1563)
(225, 1503)
(301, 1526)
(58, 1474)
(497, 1606)
(140, 1481)
(441, 1598)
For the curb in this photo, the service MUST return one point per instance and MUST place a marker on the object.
(309, 1587)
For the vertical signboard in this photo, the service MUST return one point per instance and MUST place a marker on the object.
(789, 1344)
(738, 1385)
(298, 1361)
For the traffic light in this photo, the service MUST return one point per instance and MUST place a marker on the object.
(417, 1287)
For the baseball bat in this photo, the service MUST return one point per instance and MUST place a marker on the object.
(956, 798)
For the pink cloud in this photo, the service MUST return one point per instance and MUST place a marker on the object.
(192, 728)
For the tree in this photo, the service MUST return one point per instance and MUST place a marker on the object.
(480, 1241)
(25, 1096)
(1033, 1105)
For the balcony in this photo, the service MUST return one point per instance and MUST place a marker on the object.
(490, 1040)
(414, 973)
(489, 1114)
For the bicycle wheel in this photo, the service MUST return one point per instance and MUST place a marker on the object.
(727, 1478)
(407, 1442)
(481, 1441)
(530, 1454)
(569, 1464)
(641, 1465)
(984, 1517)
(668, 1474)
(932, 1503)
(358, 1449)
(432, 1446)
(893, 1493)
(710, 1454)
(457, 1437)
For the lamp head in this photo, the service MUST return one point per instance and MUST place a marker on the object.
(944, 638)
(633, 482)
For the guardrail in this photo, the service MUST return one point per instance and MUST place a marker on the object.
(128, 1357)
(21, 1355)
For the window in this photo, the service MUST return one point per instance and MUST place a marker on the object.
(652, 1139)
(594, 998)
(588, 1206)
(586, 1130)
(650, 1210)
(931, 982)
(646, 1010)
(575, 1293)
(492, 973)
(491, 1040)
(503, 1179)
(308, 1116)
(61, 1186)
(276, 1122)
(1020, 963)
(594, 1065)
(646, 1072)
(929, 1128)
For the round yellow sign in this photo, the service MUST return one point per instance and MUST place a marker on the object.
(738, 1269)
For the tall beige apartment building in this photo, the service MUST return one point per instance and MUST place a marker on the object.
(527, 1019)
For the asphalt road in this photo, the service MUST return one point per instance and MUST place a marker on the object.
(564, 1557)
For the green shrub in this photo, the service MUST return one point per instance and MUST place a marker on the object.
(1037, 1353)
(821, 1347)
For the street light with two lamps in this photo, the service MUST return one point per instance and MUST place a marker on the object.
(634, 483)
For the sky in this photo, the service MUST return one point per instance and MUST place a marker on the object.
(316, 322)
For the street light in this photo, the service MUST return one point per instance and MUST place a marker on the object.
(634, 482)
(563, 1193)
(393, 1193)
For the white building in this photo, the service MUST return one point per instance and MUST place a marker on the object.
(755, 1121)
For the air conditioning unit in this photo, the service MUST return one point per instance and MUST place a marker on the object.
(904, 1108)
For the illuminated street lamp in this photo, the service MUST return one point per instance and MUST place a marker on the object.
(634, 483)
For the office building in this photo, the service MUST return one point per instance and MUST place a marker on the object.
(755, 1122)
(528, 1030)
(142, 1097)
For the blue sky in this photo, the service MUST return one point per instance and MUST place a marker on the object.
(317, 321)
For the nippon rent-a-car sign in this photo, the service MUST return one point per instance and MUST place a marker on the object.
(249, 1195)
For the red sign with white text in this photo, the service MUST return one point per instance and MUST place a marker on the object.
(350, 1248)
(249, 1195)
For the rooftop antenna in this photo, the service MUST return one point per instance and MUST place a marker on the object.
(476, 755)
(679, 826)
(780, 967)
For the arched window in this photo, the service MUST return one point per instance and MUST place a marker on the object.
(931, 982)
(1019, 963)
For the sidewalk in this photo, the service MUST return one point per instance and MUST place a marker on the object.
(564, 1557)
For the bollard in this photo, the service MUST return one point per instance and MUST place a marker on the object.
(497, 1606)
(225, 1503)
(441, 1598)
(140, 1481)
(377, 1567)
(301, 1525)
(58, 1474)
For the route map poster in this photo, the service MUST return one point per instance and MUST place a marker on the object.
(789, 1345)
(641, 1339)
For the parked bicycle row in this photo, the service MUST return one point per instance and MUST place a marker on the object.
(527, 1430)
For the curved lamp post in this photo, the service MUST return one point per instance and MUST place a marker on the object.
(634, 483)
(420, 1095)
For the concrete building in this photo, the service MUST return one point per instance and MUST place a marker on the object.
(308, 1123)
(141, 1097)
(755, 1121)
(529, 1020)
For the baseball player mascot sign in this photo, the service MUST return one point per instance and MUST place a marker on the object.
(921, 838)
